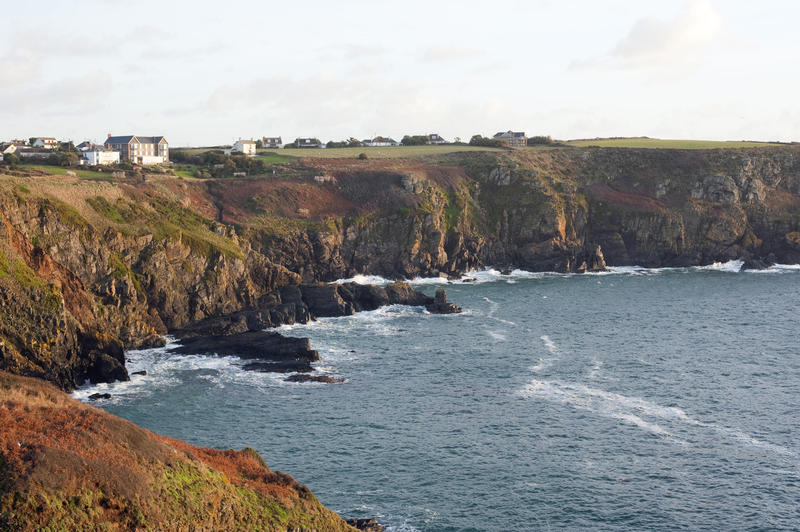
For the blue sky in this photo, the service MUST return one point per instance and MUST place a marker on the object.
(206, 72)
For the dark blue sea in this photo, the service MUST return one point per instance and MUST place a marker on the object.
(634, 400)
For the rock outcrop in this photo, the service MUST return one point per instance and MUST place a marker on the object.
(87, 269)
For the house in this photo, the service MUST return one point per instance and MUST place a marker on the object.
(140, 150)
(512, 138)
(8, 147)
(48, 143)
(307, 143)
(32, 153)
(272, 142)
(382, 141)
(99, 155)
(85, 145)
(247, 147)
(434, 138)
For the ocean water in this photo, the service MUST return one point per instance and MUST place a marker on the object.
(630, 400)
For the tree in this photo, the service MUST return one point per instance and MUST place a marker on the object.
(32, 140)
(11, 160)
(480, 140)
(259, 144)
(414, 140)
(353, 142)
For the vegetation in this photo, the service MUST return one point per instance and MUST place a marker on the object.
(414, 140)
(68, 466)
(479, 140)
(539, 140)
(646, 142)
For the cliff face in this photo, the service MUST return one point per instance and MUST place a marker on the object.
(88, 267)
(68, 466)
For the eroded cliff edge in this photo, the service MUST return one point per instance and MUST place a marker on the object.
(88, 267)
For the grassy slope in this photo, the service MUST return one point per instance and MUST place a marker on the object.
(667, 143)
(65, 465)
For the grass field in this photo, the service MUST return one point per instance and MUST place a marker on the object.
(668, 143)
(58, 170)
(395, 152)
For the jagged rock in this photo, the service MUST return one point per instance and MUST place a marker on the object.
(260, 345)
(366, 525)
(288, 366)
(142, 373)
(755, 264)
(96, 396)
(313, 378)
(440, 304)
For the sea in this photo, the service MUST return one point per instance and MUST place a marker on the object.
(633, 399)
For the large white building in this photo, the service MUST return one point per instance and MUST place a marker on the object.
(140, 150)
(48, 143)
(99, 155)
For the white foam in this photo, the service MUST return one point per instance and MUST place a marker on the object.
(364, 279)
(732, 266)
(549, 344)
(496, 336)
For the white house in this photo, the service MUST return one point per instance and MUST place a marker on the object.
(140, 150)
(434, 138)
(247, 147)
(382, 141)
(512, 138)
(99, 155)
(48, 143)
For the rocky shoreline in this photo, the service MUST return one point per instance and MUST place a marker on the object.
(242, 333)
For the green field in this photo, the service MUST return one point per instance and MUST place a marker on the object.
(394, 152)
(640, 142)
(59, 170)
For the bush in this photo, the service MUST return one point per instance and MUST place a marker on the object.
(363, 156)
(414, 140)
(479, 140)
(540, 140)
(11, 160)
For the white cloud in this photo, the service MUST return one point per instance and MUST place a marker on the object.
(447, 52)
(655, 42)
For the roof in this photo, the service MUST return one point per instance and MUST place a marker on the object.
(46, 139)
(509, 134)
(124, 139)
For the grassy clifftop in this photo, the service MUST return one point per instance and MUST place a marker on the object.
(68, 466)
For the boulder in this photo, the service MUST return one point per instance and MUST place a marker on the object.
(440, 304)
(96, 396)
(366, 525)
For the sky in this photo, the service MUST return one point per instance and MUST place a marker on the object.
(207, 73)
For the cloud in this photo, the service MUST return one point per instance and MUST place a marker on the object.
(447, 53)
(654, 42)
(64, 97)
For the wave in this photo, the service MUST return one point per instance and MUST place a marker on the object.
(166, 369)
(635, 411)
(493, 275)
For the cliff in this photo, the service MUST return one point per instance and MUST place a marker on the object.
(68, 466)
(89, 267)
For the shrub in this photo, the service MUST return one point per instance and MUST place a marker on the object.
(540, 140)
(479, 140)
(363, 156)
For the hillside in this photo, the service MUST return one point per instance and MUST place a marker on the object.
(68, 466)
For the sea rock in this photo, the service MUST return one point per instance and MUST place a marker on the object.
(366, 525)
(286, 366)
(254, 345)
(755, 264)
(96, 396)
(143, 372)
(440, 304)
(313, 378)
